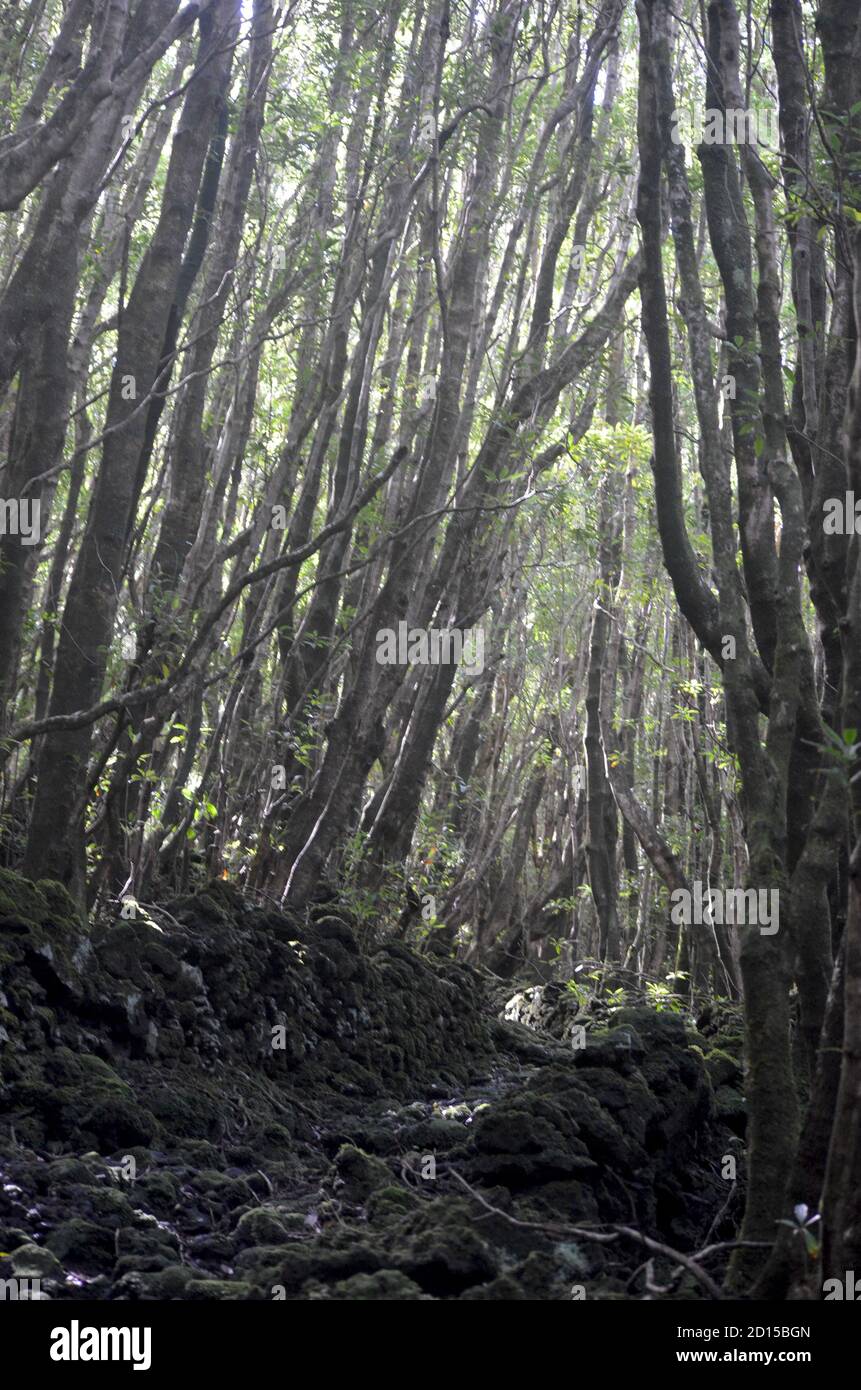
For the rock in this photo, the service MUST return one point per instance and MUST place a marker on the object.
(435, 1133)
(356, 1174)
(731, 1109)
(259, 1226)
(221, 1290)
(459, 1112)
(723, 1069)
(11, 1237)
(108, 1206)
(153, 1263)
(117, 1123)
(503, 1288)
(82, 1246)
(387, 1285)
(35, 1262)
(295, 1266)
(74, 1170)
(390, 1204)
(167, 1283)
(160, 1191)
(442, 1253)
(153, 1240)
(528, 1140)
(221, 1190)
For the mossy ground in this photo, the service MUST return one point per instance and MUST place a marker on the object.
(398, 1140)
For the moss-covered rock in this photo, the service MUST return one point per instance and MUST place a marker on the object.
(355, 1175)
(82, 1245)
(387, 1285)
(731, 1109)
(293, 1267)
(161, 1284)
(35, 1262)
(159, 1190)
(219, 1290)
(441, 1250)
(723, 1069)
(259, 1226)
(390, 1204)
(117, 1122)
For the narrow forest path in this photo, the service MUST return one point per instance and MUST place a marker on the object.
(238, 1105)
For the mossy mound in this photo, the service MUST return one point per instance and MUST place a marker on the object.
(227, 1103)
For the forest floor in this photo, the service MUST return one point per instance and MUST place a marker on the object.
(217, 1101)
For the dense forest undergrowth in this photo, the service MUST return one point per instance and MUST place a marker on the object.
(430, 648)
